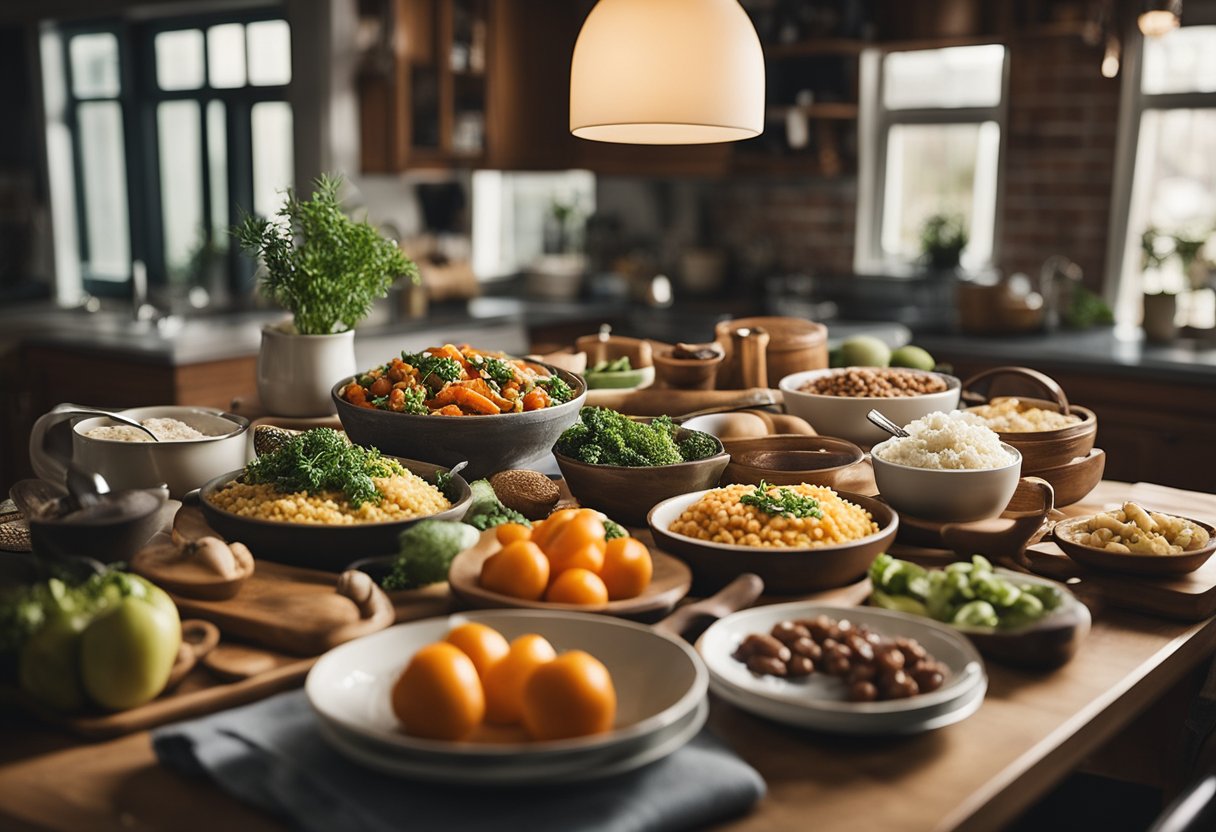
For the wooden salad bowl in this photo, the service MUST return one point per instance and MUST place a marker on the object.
(668, 585)
(1134, 564)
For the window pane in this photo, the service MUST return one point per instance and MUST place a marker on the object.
(94, 65)
(217, 161)
(105, 190)
(961, 76)
(272, 155)
(181, 183)
(269, 53)
(940, 169)
(226, 55)
(1182, 61)
(179, 59)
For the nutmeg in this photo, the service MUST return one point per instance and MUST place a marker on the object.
(530, 493)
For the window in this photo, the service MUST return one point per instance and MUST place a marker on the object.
(518, 217)
(1167, 179)
(930, 144)
(176, 126)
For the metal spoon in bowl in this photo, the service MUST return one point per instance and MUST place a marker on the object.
(886, 424)
(80, 410)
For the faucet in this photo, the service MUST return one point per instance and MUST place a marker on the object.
(1055, 267)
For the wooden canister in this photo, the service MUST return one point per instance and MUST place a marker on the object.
(794, 344)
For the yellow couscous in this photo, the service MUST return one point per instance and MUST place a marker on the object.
(720, 517)
(403, 497)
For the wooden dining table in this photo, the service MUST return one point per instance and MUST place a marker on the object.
(1117, 707)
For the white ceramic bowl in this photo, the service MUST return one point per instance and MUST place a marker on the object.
(947, 495)
(845, 416)
(659, 680)
(183, 465)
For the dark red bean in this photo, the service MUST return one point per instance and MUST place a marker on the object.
(766, 666)
(863, 692)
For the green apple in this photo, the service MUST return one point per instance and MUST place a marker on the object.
(865, 351)
(49, 665)
(129, 649)
(912, 357)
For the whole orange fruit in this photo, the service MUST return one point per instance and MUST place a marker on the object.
(439, 696)
(627, 568)
(520, 569)
(484, 645)
(577, 586)
(571, 696)
(504, 684)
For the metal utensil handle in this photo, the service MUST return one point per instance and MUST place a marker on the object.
(886, 424)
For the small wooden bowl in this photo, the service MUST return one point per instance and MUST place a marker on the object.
(668, 585)
(1073, 480)
(627, 494)
(686, 373)
(1133, 564)
(791, 459)
(784, 571)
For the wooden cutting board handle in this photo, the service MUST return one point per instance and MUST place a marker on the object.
(690, 620)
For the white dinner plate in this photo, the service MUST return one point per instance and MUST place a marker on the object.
(821, 701)
(659, 681)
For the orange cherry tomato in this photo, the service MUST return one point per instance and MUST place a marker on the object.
(585, 527)
(589, 557)
(484, 645)
(519, 569)
(571, 696)
(505, 682)
(511, 532)
(545, 530)
(439, 696)
(578, 586)
(627, 568)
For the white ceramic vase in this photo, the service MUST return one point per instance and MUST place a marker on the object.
(296, 372)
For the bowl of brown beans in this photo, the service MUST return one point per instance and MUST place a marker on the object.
(836, 401)
(854, 670)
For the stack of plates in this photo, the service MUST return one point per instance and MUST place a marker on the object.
(819, 701)
(660, 685)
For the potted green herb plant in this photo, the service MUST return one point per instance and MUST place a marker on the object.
(942, 240)
(326, 269)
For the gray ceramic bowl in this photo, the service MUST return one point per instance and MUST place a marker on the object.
(489, 443)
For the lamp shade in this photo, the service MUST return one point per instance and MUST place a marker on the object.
(667, 72)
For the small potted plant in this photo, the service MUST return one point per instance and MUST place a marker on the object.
(326, 269)
(942, 240)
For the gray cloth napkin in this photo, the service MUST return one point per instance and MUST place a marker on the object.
(270, 754)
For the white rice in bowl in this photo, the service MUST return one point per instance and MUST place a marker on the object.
(947, 441)
(166, 430)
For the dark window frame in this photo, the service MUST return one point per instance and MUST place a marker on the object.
(139, 98)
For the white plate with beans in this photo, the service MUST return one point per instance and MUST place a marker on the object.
(845, 670)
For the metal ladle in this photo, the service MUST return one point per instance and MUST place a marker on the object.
(78, 410)
(886, 424)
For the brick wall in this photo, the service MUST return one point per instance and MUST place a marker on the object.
(803, 225)
(1059, 163)
(1060, 156)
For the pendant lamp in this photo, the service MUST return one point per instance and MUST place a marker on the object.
(667, 72)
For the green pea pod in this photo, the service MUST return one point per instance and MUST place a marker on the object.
(900, 603)
(976, 614)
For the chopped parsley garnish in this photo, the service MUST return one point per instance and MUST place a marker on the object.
(556, 387)
(441, 368)
(785, 502)
(496, 370)
(323, 460)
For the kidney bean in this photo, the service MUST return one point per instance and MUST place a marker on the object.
(766, 665)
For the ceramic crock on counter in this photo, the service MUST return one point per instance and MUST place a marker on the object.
(296, 372)
(794, 344)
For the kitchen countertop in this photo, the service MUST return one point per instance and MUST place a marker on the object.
(219, 336)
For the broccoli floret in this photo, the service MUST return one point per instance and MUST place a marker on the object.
(426, 552)
(487, 511)
(698, 445)
(605, 437)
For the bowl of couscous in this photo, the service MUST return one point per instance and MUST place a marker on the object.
(797, 538)
(324, 531)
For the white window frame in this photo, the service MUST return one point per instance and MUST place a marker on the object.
(1121, 288)
(875, 121)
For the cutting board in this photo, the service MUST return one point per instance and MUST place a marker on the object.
(1190, 597)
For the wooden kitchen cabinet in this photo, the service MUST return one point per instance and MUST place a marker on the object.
(1151, 430)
